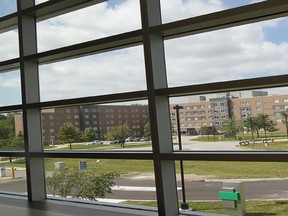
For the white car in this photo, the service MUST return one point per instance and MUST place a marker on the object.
(95, 142)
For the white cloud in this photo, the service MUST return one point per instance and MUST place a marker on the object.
(236, 53)
(9, 45)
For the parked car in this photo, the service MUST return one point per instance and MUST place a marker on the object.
(114, 142)
(95, 142)
(144, 139)
(129, 139)
(136, 139)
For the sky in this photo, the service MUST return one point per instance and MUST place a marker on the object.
(248, 51)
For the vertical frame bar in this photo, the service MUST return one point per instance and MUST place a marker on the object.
(35, 172)
(159, 110)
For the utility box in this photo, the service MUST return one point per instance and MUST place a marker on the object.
(59, 165)
(233, 199)
(2, 171)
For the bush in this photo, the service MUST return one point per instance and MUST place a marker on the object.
(85, 184)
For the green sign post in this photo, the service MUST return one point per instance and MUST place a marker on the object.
(232, 197)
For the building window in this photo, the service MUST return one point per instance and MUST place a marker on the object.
(276, 101)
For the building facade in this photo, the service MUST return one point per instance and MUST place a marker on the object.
(101, 118)
(215, 111)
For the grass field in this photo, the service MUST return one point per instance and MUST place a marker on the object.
(215, 138)
(253, 208)
(210, 169)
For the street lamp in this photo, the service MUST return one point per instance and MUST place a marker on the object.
(184, 205)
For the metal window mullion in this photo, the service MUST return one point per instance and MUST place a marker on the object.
(165, 178)
(35, 173)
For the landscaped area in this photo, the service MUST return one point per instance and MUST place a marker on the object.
(253, 208)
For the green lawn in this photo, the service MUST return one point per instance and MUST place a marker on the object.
(208, 169)
(253, 208)
(215, 138)
(272, 146)
(99, 147)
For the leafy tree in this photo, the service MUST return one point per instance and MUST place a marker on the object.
(120, 133)
(147, 129)
(284, 114)
(264, 122)
(7, 127)
(68, 134)
(8, 139)
(250, 123)
(88, 134)
(85, 184)
(272, 127)
(231, 126)
(204, 130)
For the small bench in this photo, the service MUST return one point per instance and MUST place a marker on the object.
(266, 140)
(244, 143)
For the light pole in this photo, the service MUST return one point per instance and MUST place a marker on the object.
(251, 126)
(184, 205)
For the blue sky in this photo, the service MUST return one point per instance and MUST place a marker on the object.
(7, 7)
(241, 52)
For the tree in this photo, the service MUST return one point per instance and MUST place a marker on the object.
(231, 126)
(7, 127)
(8, 139)
(120, 133)
(88, 134)
(250, 124)
(204, 130)
(68, 134)
(85, 184)
(264, 122)
(272, 127)
(147, 130)
(284, 114)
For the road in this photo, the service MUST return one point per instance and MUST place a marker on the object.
(130, 188)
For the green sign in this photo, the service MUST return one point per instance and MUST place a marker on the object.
(224, 195)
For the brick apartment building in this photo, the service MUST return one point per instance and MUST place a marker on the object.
(213, 111)
(200, 111)
(101, 118)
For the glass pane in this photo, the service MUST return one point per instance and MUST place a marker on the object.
(126, 182)
(114, 72)
(40, 1)
(10, 86)
(9, 45)
(250, 51)
(243, 120)
(173, 10)
(7, 7)
(97, 127)
(263, 185)
(97, 21)
(13, 175)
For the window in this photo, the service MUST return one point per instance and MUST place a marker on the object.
(114, 64)
(276, 101)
